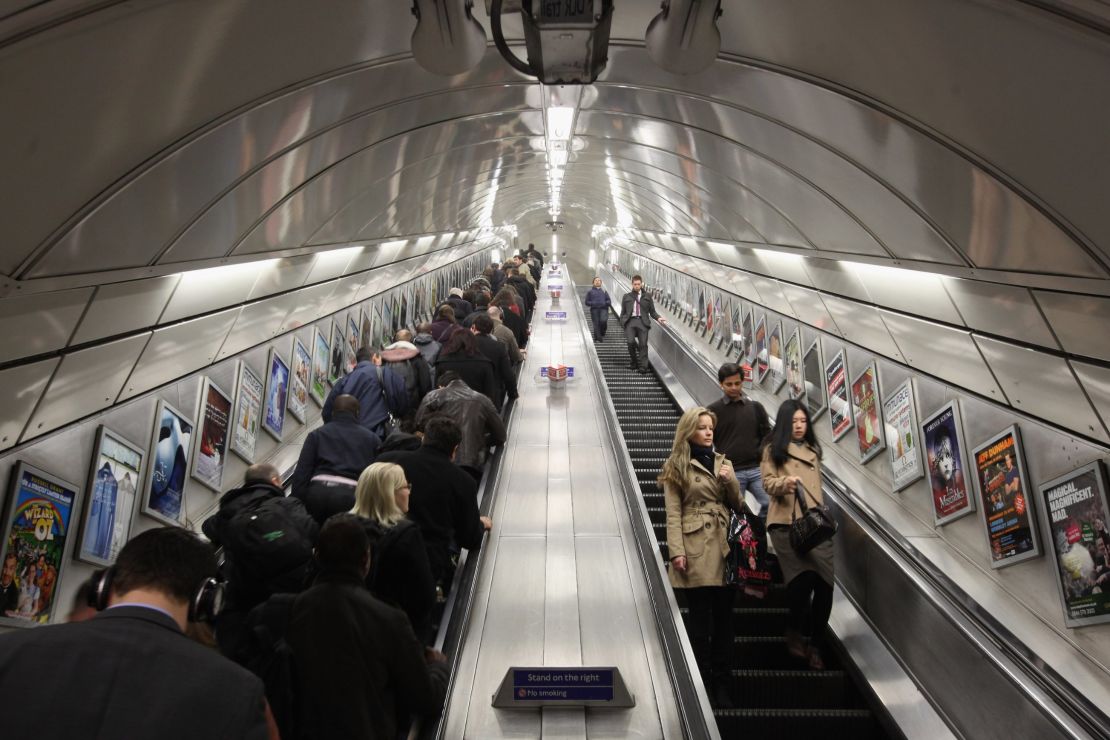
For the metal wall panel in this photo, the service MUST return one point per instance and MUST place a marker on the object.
(20, 389)
(1042, 385)
(861, 325)
(1096, 382)
(119, 308)
(1004, 310)
(257, 322)
(201, 291)
(86, 381)
(42, 322)
(835, 277)
(910, 291)
(771, 295)
(1078, 321)
(282, 275)
(306, 306)
(177, 350)
(808, 306)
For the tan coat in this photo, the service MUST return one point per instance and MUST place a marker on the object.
(802, 463)
(697, 520)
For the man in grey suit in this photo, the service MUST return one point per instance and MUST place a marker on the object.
(637, 311)
(130, 671)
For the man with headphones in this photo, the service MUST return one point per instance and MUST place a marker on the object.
(130, 671)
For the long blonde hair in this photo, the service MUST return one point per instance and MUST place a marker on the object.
(674, 468)
(374, 497)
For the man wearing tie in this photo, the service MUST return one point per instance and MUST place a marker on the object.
(637, 311)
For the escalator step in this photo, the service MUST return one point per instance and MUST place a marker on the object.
(769, 689)
(791, 724)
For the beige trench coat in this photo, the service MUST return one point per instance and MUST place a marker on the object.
(805, 465)
(697, 521)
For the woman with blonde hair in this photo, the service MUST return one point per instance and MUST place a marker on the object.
(699, 488)
(400, 573)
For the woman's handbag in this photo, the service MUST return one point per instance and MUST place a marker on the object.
(813, 527)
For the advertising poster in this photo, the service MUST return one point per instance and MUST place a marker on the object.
(749, 341)
(321, 354)
(395, 300)
(299, 380)
(1078, 516)
(351, 350)
(900, 418)
(869, 423)
(338, 342)
(384, 331)
(792, 358)
(164, 499)
(738, 348)
(774, 358)
(277, 388)
(761, 365)
(812, 376)
(944, 452)
(248, 413)
(836, 386)
(37, 522)
(211, 449)
(1004, 499)
(366, 326)
(116, 471)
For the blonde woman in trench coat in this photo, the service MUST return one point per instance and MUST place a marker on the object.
(699, 488)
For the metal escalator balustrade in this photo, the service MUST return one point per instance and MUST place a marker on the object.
(774, 695)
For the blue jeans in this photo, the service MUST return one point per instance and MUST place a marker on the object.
(750, 479)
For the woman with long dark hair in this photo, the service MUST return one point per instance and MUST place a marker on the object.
(699, 488)
(460, 354)
(792, 468)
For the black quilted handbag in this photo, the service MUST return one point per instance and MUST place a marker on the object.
(813, 527)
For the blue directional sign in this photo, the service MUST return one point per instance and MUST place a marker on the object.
(555, 315)
(563, 686)
(570, 371)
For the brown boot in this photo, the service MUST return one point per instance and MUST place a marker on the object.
(796, 644)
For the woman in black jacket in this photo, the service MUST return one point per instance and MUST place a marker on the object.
(445, 322)
(400, 573)
(460, 355)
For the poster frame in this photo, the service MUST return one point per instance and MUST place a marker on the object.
(778, 379)
(335, 364)
(1023, 477)
(75, 516)
(104, 433)
(317, 337)
(915, 426)
(243, 367)
(796, 391)
(350, 343)
(762, 365)
(957, 421)
(207, 385)
(819, 386)
(842, 357)
(880, 425)
(273, 357)
(161, 408)
(301, 413)
(1096, 468)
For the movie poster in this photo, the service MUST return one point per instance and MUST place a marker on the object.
(792, 359)
(248, 413)
(321, 356)
(814, 379)
(761, 364)
(351, 349)
(37, 522)
(774, 357)
(211, 450)
(169, 465)
(299, 381)
(869, 423)
(900, 418)
(277, 388)
(1078, 516)
(106, 523)
(944, 452)
(1004, 499)
(335, 367)
(836, 386)
(748, 352)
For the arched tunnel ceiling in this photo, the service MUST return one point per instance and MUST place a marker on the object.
(962, 137)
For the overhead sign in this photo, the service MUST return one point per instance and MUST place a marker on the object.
(563, 686)
(557, 372)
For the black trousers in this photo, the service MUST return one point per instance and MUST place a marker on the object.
(600, 318)
(710, 626)
(809, 598)
(636, 334)
(324, 498)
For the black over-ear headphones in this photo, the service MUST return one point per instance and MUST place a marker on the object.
(205, 605)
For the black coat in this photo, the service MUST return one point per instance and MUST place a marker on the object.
(400, 574)
(647, 308)
(129, 672)
(525, 290)
(341, 447)
(476, 371)
(443, 503)
(359, 664)
(504, 377)
(516, 324)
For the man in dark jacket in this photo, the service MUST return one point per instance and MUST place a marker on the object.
(404, 358)
(136, 650)
(599, 302)
(379, 392)
(251, 577)
(637, 311)
(332, 458)
(428, 346)
(463, 307)
(481, 305)
(742, 423)
(524, 290)
(498, 354)
(360, 668)
(506, 336)
(479, 423)
(444, 498)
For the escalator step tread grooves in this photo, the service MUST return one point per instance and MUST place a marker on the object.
(793, 701)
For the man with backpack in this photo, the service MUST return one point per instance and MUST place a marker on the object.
(380, 392)
(405, 359)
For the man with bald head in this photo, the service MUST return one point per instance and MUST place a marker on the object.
(505, 335)
(332, 458)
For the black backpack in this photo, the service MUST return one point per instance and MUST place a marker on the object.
(266, 654)
(268, 546)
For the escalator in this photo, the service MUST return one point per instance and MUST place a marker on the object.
(775, 695)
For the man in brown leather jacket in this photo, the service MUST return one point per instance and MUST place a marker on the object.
(475, 414)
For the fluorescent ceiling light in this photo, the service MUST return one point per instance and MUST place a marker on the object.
(559, 120)
(774, 254)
